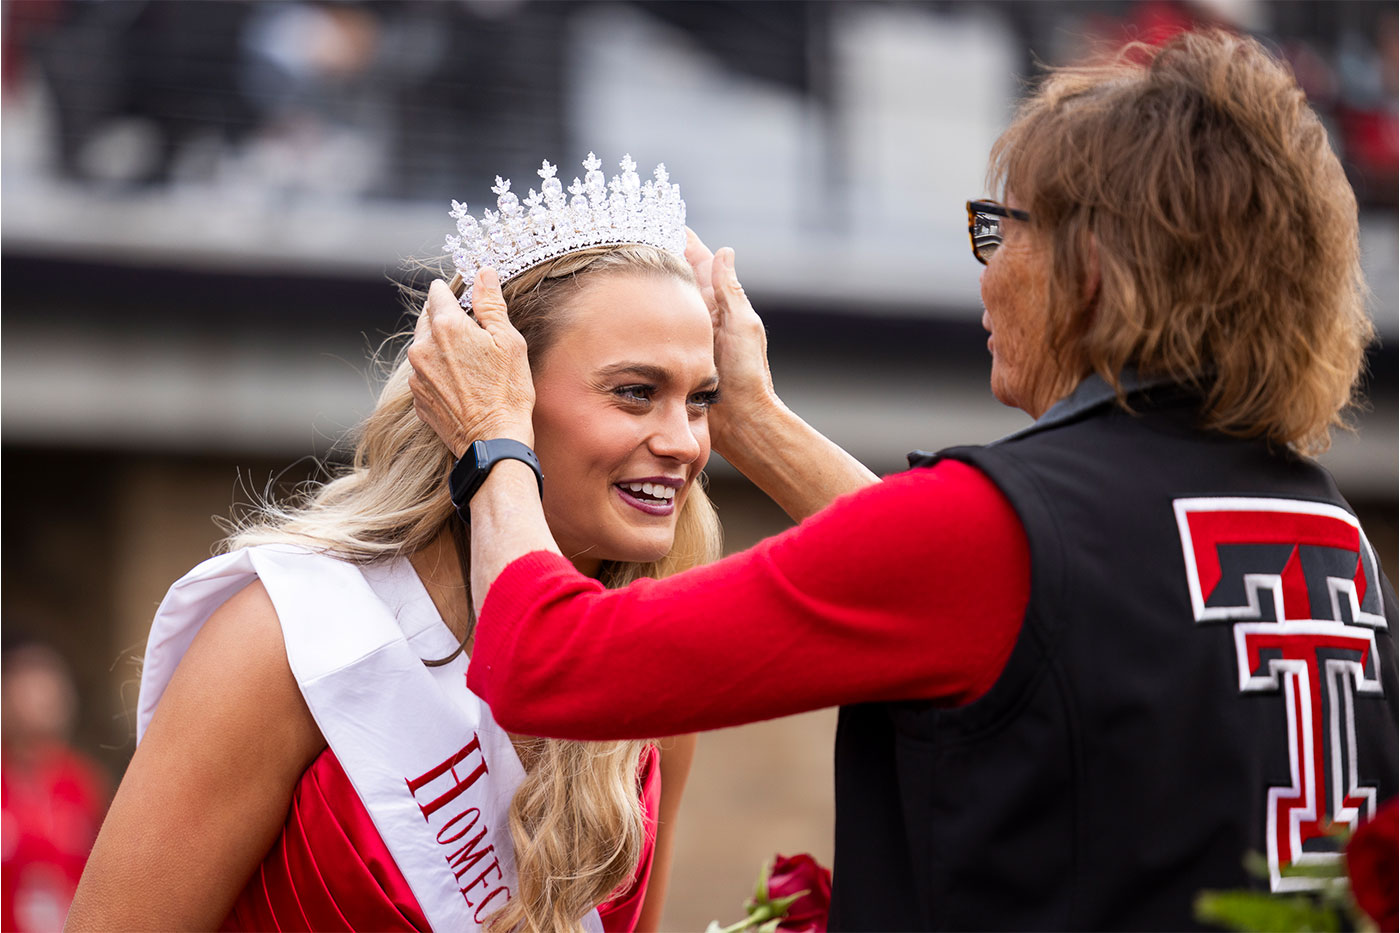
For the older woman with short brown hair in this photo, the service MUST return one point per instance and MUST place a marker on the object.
(1201, 228)
(1082, 670)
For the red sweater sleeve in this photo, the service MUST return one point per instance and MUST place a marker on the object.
(913, 588)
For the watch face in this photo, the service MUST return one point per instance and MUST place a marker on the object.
(462, 480)
(471, 470)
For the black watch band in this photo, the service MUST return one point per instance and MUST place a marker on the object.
(475, 465)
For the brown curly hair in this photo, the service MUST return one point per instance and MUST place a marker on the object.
(1192, 192)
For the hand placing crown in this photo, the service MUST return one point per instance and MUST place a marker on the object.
(546, 225)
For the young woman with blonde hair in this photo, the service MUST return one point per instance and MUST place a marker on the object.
(309, 757)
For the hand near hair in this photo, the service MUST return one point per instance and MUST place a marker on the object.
(471, 377)
(788, 459)
(741, 344)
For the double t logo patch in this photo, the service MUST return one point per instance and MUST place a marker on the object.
(1298, 582)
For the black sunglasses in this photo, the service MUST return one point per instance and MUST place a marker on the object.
(984, 226)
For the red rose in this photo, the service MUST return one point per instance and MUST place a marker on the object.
(801, 873)
(1372, 865)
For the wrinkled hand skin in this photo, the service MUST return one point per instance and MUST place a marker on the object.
(471, 376)
(741, 343)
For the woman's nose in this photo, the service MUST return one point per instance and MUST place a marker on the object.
(675, 436)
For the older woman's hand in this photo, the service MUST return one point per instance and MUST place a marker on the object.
(741, 344)
(471, 377)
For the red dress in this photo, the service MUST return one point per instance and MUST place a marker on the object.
(330, 870)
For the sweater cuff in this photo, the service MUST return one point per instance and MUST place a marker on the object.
(516, 591)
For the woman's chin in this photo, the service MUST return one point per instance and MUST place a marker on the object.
(640, 550)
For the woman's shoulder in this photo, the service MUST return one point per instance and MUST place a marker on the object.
(945, 489)
(942, 475)
(242, 632)
(230, 670)
(252, 592)
(291, 576)
(255, 558)
(221, 594)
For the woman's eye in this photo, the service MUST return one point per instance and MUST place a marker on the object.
(703, 400)
(636, 393)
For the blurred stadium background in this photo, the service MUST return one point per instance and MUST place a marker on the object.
(206, 205)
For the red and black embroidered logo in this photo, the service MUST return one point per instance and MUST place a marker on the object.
(1298, 582)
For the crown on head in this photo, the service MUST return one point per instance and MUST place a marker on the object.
(546, 225)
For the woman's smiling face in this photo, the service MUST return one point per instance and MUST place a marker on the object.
(621, 427)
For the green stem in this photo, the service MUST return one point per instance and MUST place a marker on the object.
(761, 913)
(739, 927)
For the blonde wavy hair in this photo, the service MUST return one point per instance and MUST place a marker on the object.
(576, 820)
(1200, 187)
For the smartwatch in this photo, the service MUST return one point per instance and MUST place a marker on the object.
(475, 465)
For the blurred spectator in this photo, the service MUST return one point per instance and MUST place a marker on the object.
(1157, 21)
(308, 70)
(414, 99)
(133, 83)
(52, 799)
(22, 20)
(1366, 112)
(1346, 64)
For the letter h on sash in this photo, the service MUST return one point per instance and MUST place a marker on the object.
(460, 782)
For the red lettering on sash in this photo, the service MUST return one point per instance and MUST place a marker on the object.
(489, 898)
(451, 839)
(460, 784)
(494, 866)
(449, 784)
(464, 858)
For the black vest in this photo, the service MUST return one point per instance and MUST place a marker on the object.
(1208, 657)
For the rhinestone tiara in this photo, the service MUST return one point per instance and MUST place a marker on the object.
(519, 235)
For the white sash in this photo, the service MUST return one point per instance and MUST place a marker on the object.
(432, 767)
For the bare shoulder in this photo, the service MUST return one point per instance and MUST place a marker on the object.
(244, 631)
(235, 679)
(209, 787)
